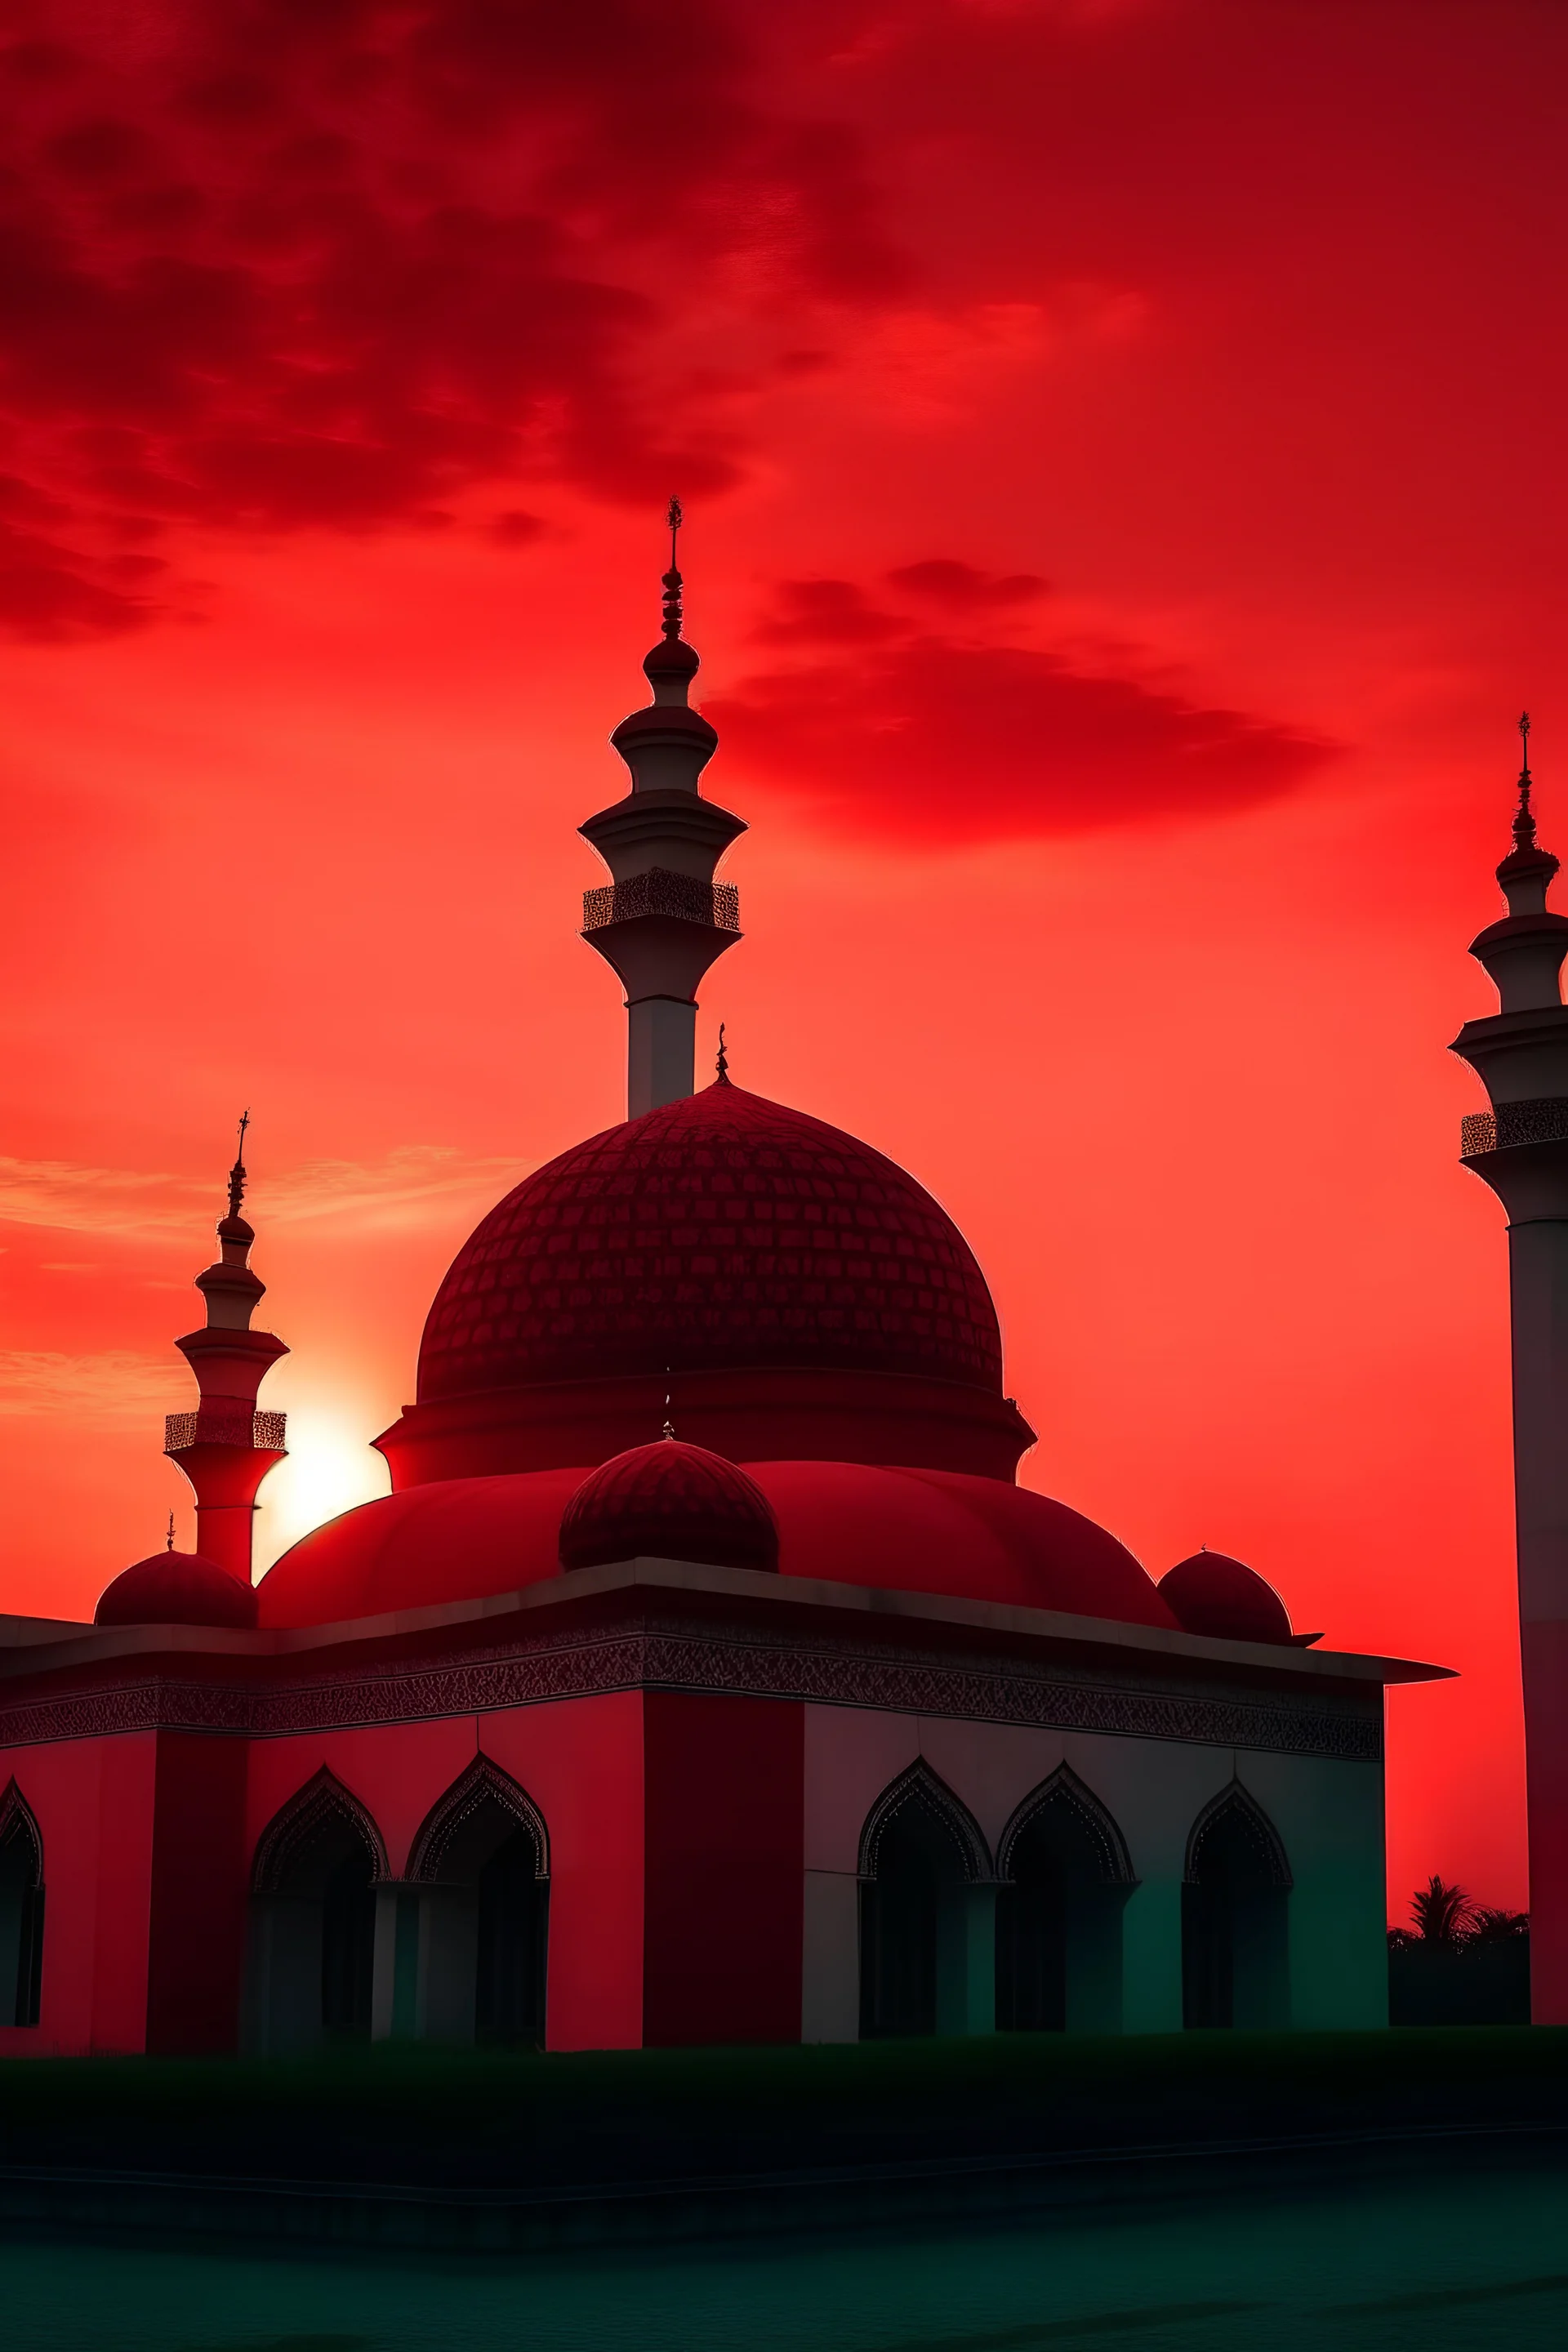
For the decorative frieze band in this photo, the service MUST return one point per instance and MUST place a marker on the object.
(988, 1690)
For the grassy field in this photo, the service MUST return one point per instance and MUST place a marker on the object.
(396, 2113)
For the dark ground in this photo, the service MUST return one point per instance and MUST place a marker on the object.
(1366, 2193)
(376, 2145)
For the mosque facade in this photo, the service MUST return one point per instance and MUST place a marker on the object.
(707, 1677)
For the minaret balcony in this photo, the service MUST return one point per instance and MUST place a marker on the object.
(223, 1424)
(1543, 1120)
(680, 897)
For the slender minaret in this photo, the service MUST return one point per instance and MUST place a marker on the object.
(1520, 1148)
(663, 920)
(226, 1447)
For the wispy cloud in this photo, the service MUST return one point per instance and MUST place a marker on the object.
(414, 1184)
(67, 1198)
(40, 1385)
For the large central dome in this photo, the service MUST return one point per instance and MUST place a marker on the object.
(718, 1232)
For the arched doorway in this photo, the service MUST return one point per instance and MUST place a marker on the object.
(21, 1911)
(482, 1862)
(1234, 1921)
(926, 1914)
(1065, 1876)
(313, 1957)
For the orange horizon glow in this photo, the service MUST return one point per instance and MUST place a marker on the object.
(1120, 452)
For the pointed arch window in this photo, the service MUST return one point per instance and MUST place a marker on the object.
(921, 1852)
(483, 1851)
(1065, 1875)
(317, 1867)
(1235, 1916)
(21, 1910)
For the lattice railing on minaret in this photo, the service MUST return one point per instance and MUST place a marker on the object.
(660, 891)
(217, 1424)
(1543, 1120)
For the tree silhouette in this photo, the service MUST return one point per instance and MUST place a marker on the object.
(1488, 1925)
(1442, 1912)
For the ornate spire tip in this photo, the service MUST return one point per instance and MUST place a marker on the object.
(675, 518)
(721, 1063)
(236, 1173)
(170, 1545)
(1524, 819)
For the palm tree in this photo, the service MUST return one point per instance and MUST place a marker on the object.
(1489, 1926)
(1441, 1912)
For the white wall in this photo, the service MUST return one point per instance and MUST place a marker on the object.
(1329, 1815)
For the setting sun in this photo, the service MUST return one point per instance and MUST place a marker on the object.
(330, 1468)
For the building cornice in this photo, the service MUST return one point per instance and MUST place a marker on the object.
(672, 1625)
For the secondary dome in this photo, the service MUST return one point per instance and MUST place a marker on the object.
(717, 1232)
(175, 1588)
(847, 1522)
(670, 1501)
(1212, 1593)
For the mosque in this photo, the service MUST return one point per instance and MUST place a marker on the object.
(707, 1677)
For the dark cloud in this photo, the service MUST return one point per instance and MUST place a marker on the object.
(826, 611)
(516, 527)
(930, 740)
(286, 265)
(942, 580)
(46, 595)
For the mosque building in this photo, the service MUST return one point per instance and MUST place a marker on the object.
(707, 1677)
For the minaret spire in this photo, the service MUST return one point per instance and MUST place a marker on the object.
(1523, 822)
(663, 920)
(1520, 1148)
(672, 580)
(236, 1173)
(227, 1446)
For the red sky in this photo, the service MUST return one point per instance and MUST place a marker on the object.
(1121, 441)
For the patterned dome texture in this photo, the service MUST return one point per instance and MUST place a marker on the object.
(670, 1501)
(718, 1232)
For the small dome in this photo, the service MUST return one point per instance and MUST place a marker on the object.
(1212, 1593)
(670, 1501)
(176, 1588)
(671, 657)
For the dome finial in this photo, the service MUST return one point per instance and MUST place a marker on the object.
(236, 1173)
(672, 577)
(1524, 820)
(170, 1545)
(721, 1063)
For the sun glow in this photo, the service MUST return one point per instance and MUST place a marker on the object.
(330, 1468)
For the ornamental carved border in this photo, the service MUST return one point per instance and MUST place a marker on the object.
(530, 1673)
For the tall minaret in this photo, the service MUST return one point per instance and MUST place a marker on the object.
(663, 920)
(226, 1447)
(1520, 1148)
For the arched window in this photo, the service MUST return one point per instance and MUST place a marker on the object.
(1235, 1931)
(21, 1911)
(922, 1851)
(484, 1854)
(1065, 1873)
(313, 1952)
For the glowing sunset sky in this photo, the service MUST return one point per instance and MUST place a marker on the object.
(1121, 448)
